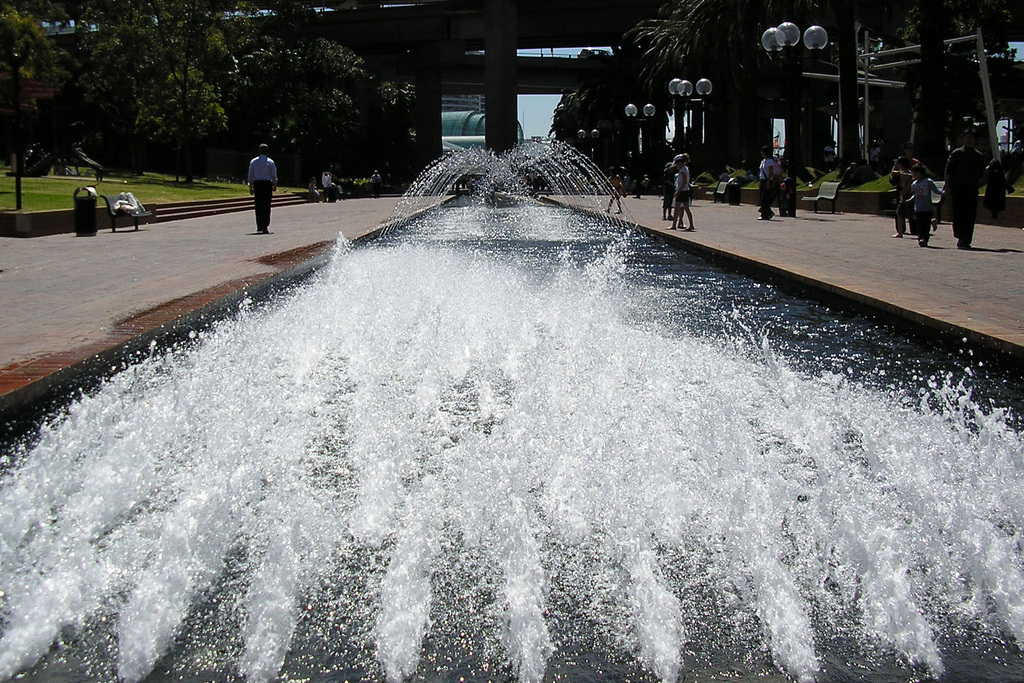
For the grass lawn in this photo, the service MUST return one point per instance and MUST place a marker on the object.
(56, 192)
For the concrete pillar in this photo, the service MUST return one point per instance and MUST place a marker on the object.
(501, 89)
(428, 113)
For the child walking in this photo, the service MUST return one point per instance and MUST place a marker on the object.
(921, 190)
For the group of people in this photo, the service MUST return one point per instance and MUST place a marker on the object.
(914, 189)
(677, 193)
(262, 181)
(917, 194)
(330, 190)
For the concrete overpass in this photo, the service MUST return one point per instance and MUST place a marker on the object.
(431, 43)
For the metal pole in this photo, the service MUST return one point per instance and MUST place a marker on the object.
(867, 97)
(19, 156)
(678, 139)
(986, 88)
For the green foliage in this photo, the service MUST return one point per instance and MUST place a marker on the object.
(298, 94)
(159, 65)
(192, 114)
(23, 41)
(394, 128)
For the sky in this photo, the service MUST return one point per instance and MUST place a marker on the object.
(535, 113)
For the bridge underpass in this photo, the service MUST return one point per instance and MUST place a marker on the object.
(429, 43)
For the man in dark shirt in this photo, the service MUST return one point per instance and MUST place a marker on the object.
(963, 176)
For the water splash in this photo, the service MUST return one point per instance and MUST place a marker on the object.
(472, 450)
(553, 168)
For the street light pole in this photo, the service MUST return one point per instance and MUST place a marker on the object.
(16, 61)
(582, 134)
(786, 37)
(645, 149)
(682, 91)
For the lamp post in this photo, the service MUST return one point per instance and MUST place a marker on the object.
(593, 135)
(681, 91)
(786, 37)
(644, 136)
(16, 60)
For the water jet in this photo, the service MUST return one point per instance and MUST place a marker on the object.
(510, 441)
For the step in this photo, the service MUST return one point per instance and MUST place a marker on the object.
(174, 211)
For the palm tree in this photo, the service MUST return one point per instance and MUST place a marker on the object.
(717, 39)
(599, 102)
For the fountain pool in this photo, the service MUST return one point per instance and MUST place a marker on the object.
(513, 442)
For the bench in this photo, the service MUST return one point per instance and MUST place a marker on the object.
(719, 192)
(826, 191)
(115, 213)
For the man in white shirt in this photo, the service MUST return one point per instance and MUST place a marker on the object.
(769, 176)
(262, 181)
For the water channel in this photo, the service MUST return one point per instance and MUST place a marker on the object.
(510, 441)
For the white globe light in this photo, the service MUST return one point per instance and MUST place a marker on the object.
(703, 87)
(673, 86)
(595, 133)
(581, 133)
(630, 110)
(686, 88)
(769, 42)
(649, 109)
(788, 34)
(815, 38)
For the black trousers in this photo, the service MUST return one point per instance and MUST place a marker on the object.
(769, 191)
(924, 226)
(965, 211)
(262, 193)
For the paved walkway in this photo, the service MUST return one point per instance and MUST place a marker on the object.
(67, 299)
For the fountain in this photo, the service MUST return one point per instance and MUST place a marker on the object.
(556, 169)
(512, 442)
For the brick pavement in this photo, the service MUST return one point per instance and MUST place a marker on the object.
(66, 298)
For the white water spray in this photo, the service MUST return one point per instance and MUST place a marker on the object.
(473, 440)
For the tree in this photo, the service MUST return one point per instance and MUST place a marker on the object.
(946, 87)
(598, 103)
(716, 39)
(189, 40)
(119, 68)
(25, 52)
(23, 40)
(300, 93)
(394, 131)
(161, 63)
